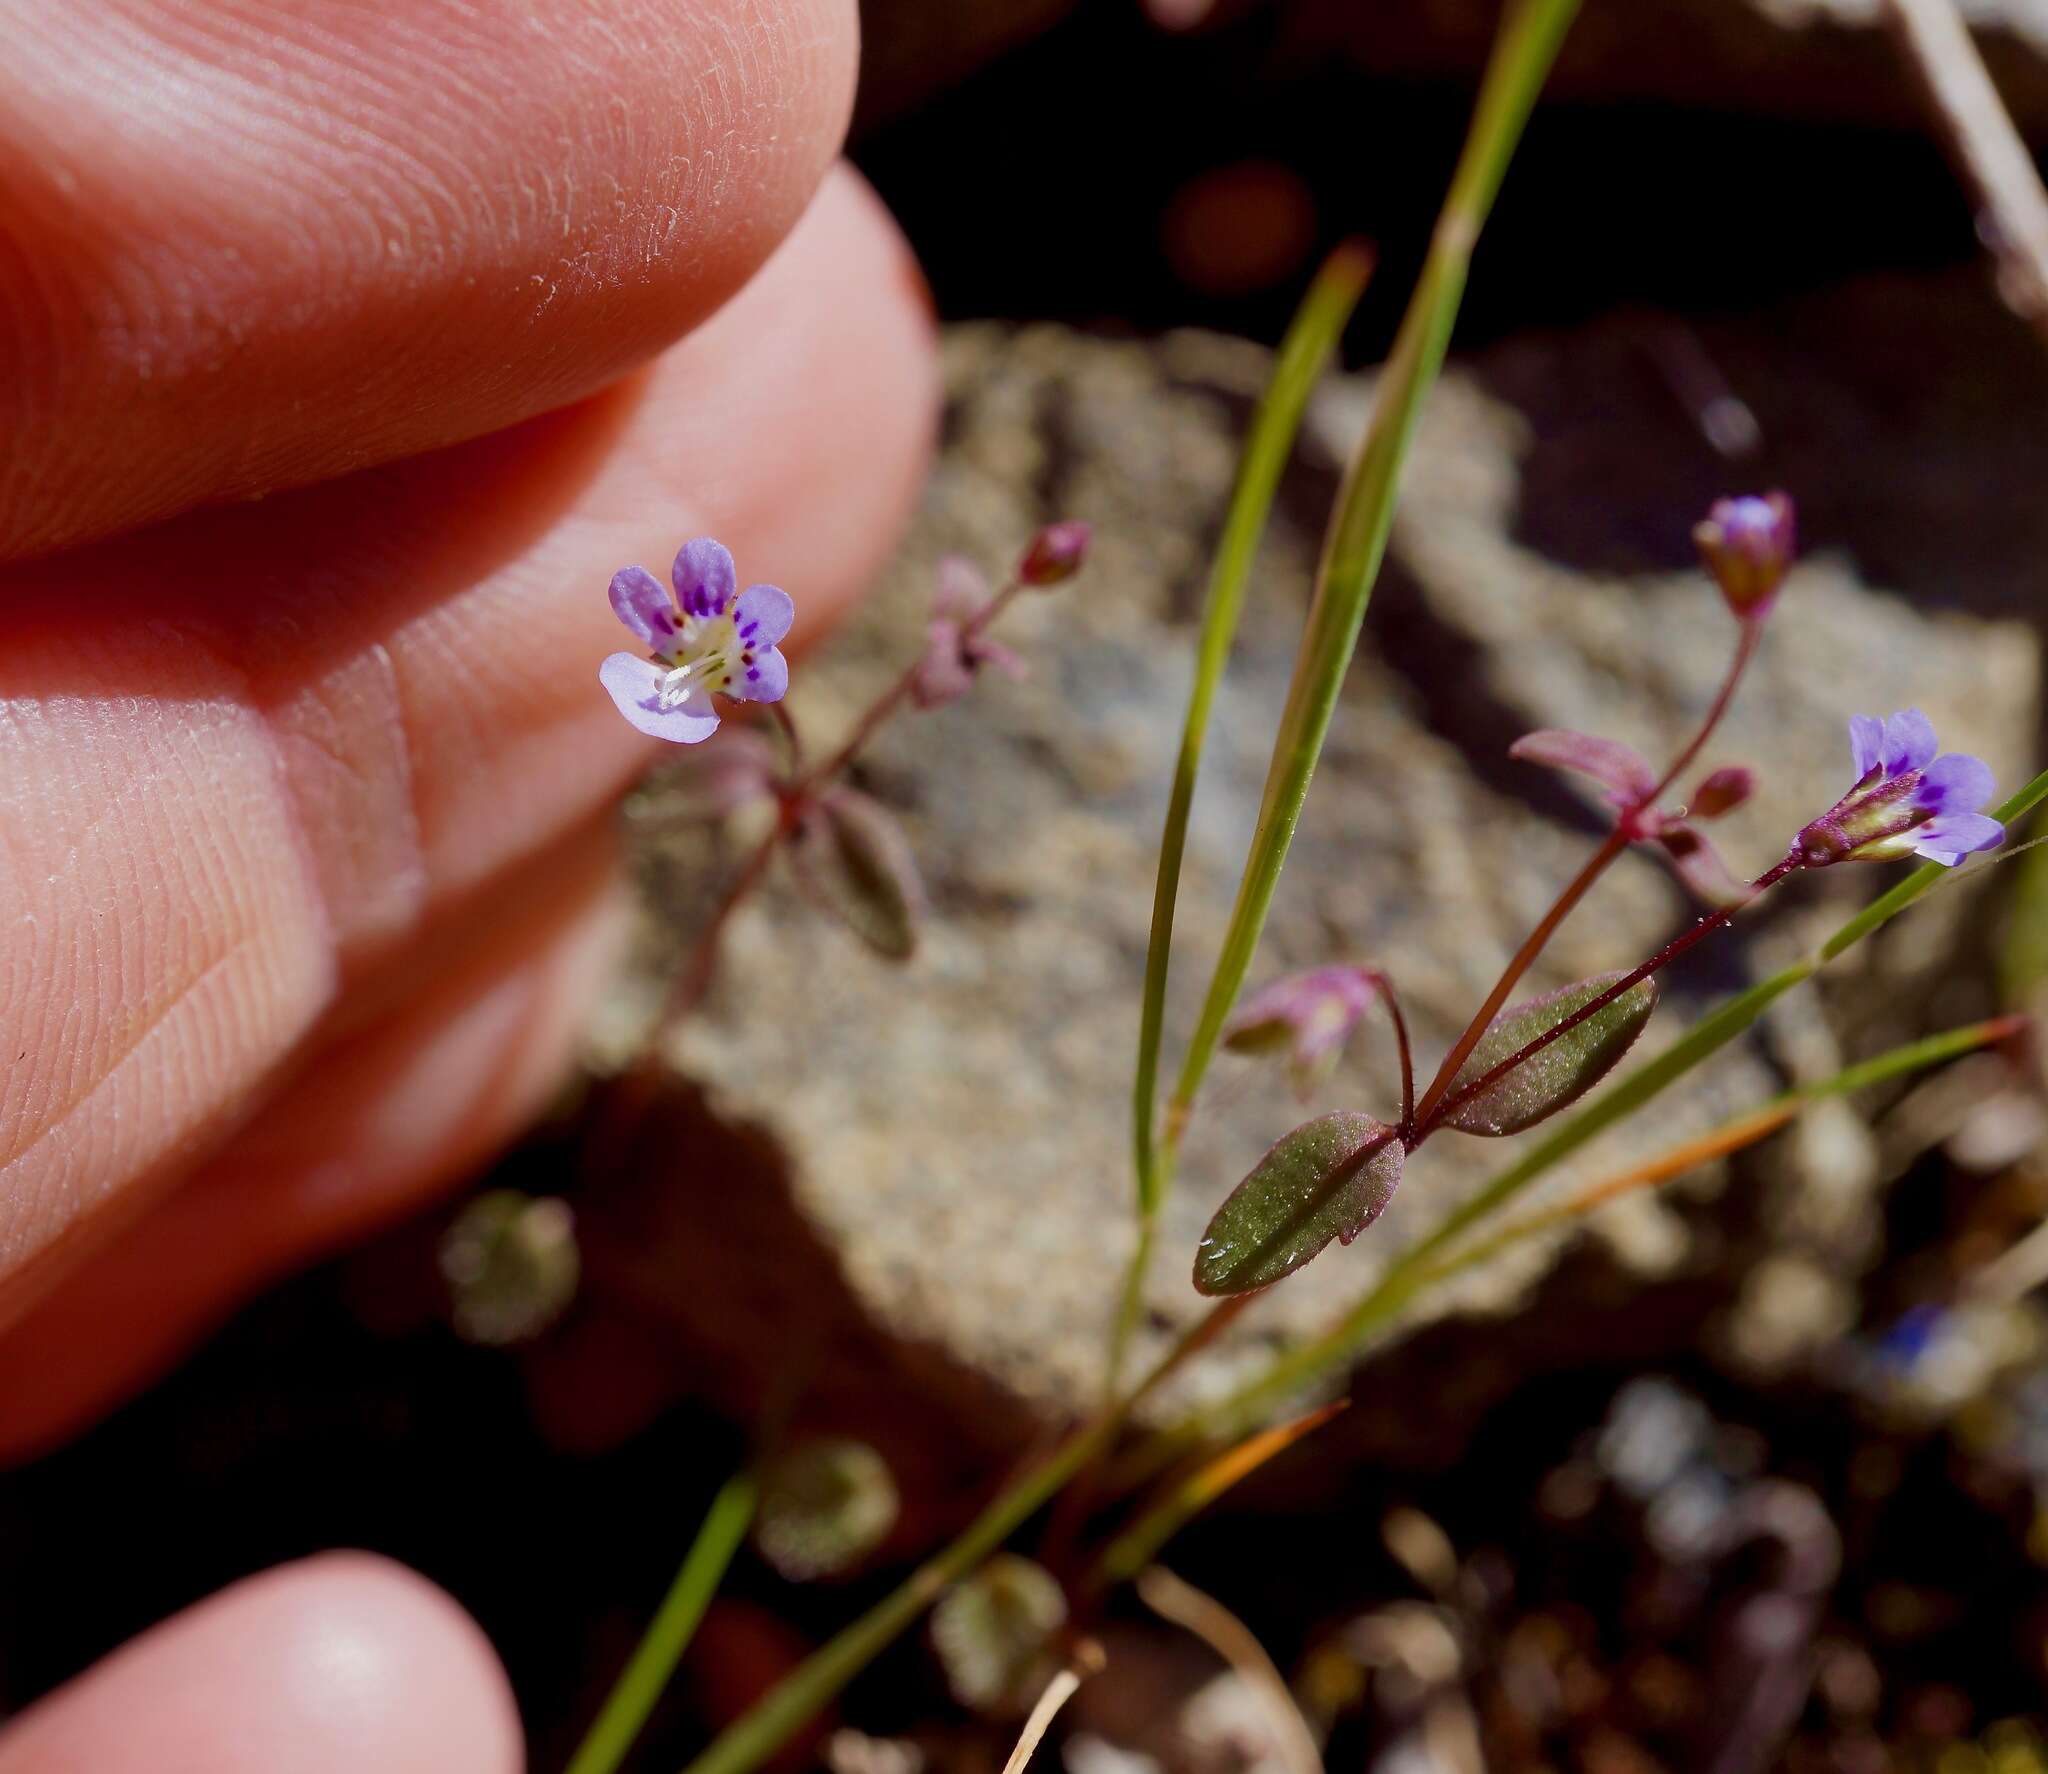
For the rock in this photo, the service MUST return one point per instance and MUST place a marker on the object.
(912, 1184)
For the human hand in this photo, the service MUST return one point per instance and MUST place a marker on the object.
(304, 867)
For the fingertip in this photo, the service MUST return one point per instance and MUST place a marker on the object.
(335, 1664)
(252, 247)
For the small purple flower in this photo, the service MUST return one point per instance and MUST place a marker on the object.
(1747, 544)
(1310, 1014)
(716, 643)
(1906, 802)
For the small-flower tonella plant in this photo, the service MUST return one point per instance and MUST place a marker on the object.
(713, 641)
(1516, 1065)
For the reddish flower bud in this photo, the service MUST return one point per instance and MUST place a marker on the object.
(1056, 553)
(1747, 544)
(1722, 791)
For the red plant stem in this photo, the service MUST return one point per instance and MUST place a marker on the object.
(695, 978)
(1745, 650)
(1575, 890)
(1611, 846)
(1662, 958)
(893, 698)
(779, 713)
(1407, 1060)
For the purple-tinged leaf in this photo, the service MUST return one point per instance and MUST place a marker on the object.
(1329, 1178)
(1557, 1075)
(851, 858)
(1618, 768)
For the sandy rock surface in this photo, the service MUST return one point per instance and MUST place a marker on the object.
(936, 1179)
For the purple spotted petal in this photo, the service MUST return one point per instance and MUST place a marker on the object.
(1909, 741)
(639, 602)
(1957, 783)
(765, 680)
(1866, 740)
(635, 685)
(763, 615)
(1953, 836)
(704, 577)
(1627, 777)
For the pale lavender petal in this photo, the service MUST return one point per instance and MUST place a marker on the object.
(962, 589)
(639, 602)
(635, 685)
(704, 577)
(1608, 761)
(1957, 783)
(1866, 740)
(765, 680)
(1700, 867)
(943, 674)
(1909, 741)
(1010, 664)
(763, 615)
(1954, 835)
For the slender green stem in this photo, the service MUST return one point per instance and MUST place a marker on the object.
(1357, 540)
(1746, 1129)
(668, 1636)
(1299, 365)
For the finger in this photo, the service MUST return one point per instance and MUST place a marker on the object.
(251, 245)
(373, 1125)
(281, 741)
(332, 1666)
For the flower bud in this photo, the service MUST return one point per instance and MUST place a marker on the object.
(1309, 1015)
(1722, 791)
(1056, 553)
(1747, 545)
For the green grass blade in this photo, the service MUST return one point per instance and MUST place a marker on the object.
(1303, 355)
(668, 1635)
(1357, 540)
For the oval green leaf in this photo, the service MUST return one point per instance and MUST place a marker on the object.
(1329, 1178)
(993, 1631)
(1559, 1074)
(851, 859)
(825, 1505)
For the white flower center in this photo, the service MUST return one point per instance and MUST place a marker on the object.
(700, 661)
